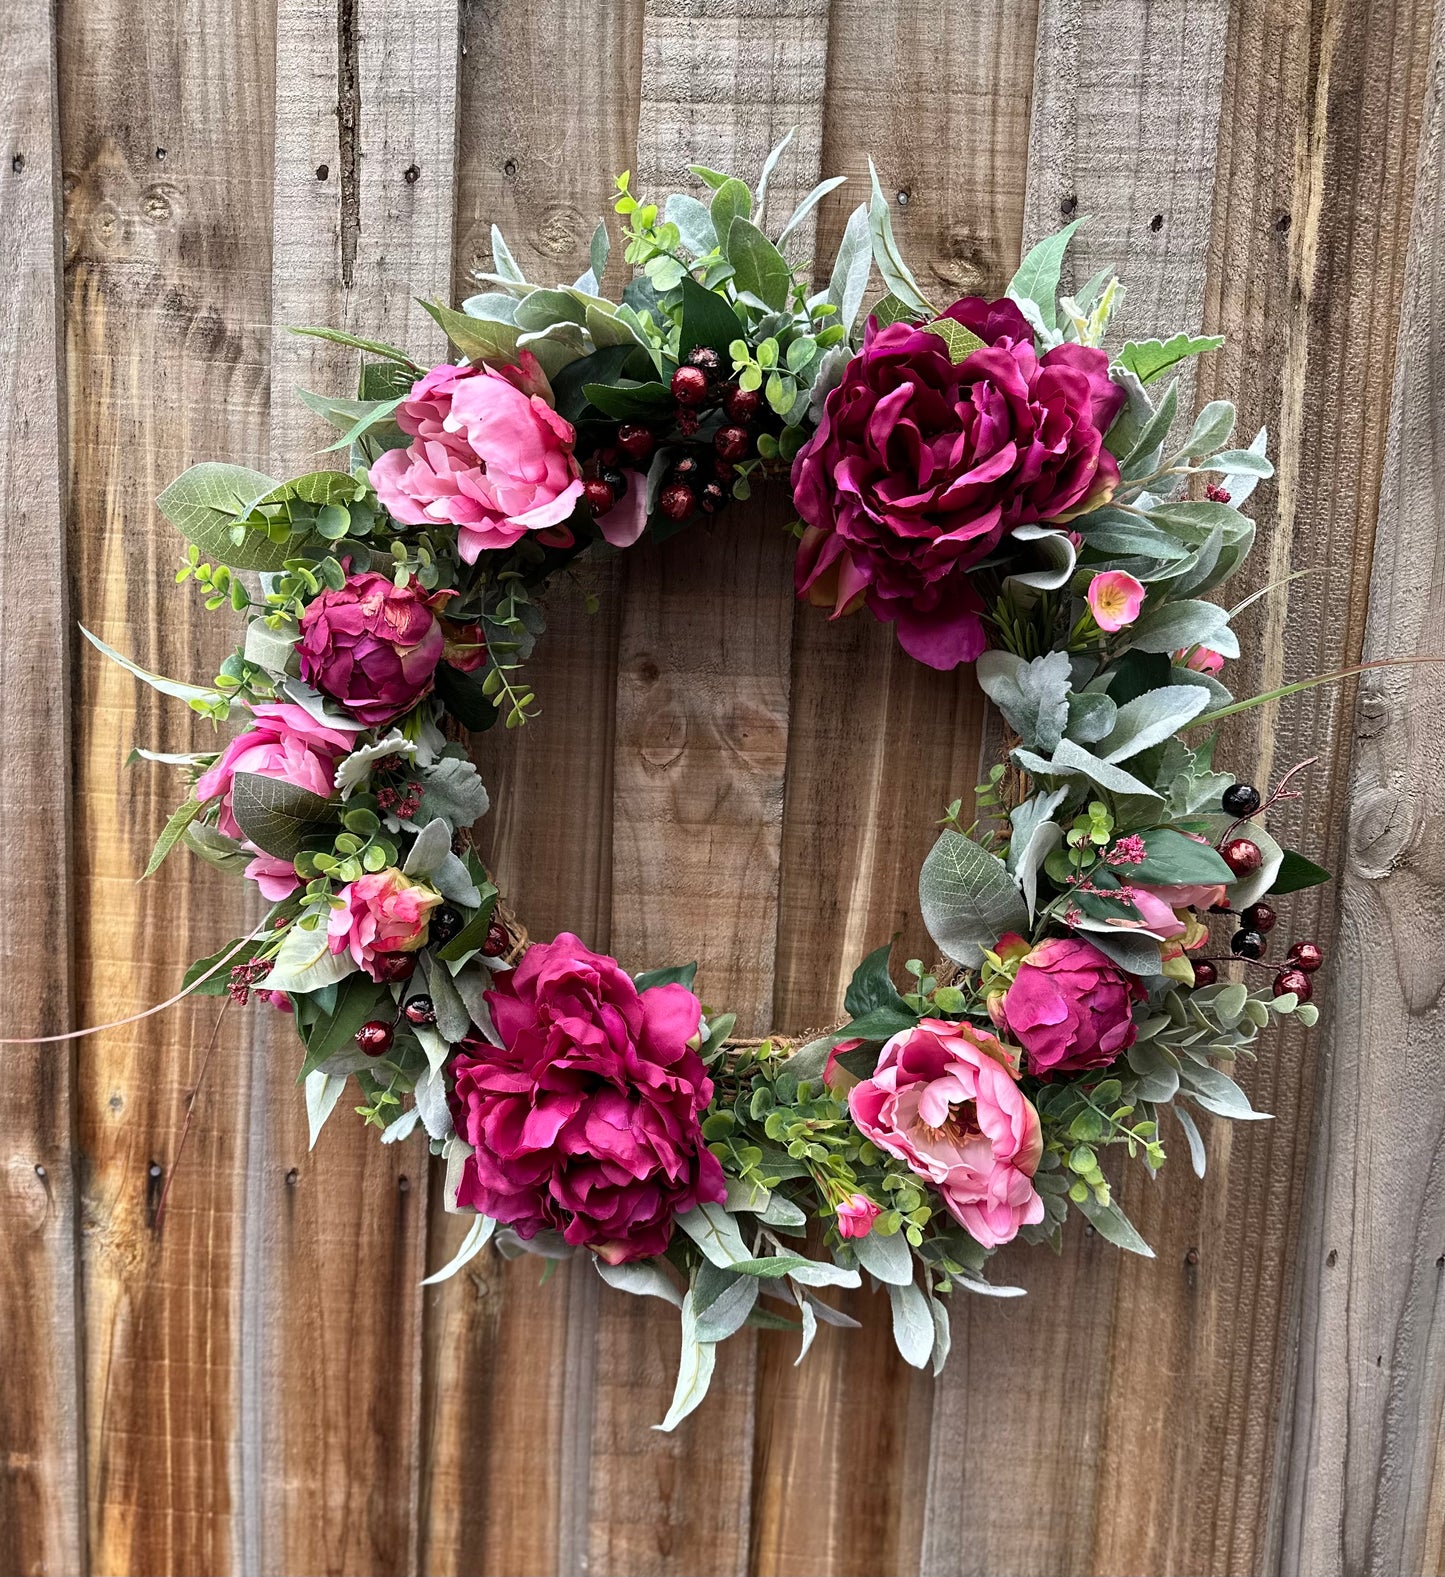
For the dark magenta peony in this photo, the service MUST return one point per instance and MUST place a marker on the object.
(374, 646)
(919, 468)
(1069, 1007)
(587, 1118)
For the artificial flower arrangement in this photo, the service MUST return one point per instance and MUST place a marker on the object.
(989, 479)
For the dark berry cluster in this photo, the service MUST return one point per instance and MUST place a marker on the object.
(1244, 856)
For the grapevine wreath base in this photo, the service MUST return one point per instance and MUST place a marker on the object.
(990, 480)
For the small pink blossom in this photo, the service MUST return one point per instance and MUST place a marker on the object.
(1114, 599)
(944, 1100)
(1127, 851)
(384, 912)
(856, 1216)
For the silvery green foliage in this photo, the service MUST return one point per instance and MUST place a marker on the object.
(967, 898)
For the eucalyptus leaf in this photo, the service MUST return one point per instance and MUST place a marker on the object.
(180, 818)
(811, 201)
(171, 687)
(275, 815)
(304, 962)
(967, 898)
(722, 1301)
(716, 1234)
(895, 272)
(206, 501)
(1110, 1222)
(848, 283)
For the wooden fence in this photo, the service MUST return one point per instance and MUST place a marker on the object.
(254, 1380)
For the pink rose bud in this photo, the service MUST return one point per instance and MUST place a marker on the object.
(489, 456)
(381, 913)
(1114, 599)
(856, 1216)
(944, 1101)
(1201, 659)
(374, 646)
(920, 467)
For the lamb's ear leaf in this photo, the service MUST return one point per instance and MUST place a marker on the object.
(1037, 279)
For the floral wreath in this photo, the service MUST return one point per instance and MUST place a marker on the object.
(987, 478)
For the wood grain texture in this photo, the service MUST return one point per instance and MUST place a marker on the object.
(1311, 224)
(878, 745)
(509, 1360)
(701, 744)
(1124, 134)
(1364, 1475)
(166, 145)
(365, 145)
(42, 1490)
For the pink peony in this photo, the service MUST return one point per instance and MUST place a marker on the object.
(587, 1118)
(1069, 1007)
(1201, 659)
(856, 1216)
(284, 741)
(1156, 912)
(1114, 599)
(944, 1100)
(374, 646)
(384, 912)
(488, 455)
(920, 466)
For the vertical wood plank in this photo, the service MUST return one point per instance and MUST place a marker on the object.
(702, 721)
(42, 1491)
(1364, 1477)
(878, 745)
(1317, 152)
(1125, 116)
(165, 133)
(542, 134)
(365, 149)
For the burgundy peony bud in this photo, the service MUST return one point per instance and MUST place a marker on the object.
(373, 646)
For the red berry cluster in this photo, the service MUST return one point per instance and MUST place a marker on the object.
(698, 481)
(1244, 856)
